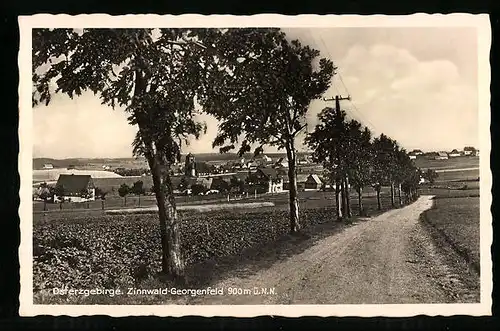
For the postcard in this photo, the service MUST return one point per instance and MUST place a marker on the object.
(219, 165)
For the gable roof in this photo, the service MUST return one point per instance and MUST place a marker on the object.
(442, 154)
(74, 184)
(314, 178)
(270, 172)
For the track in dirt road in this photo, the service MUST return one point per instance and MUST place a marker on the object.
(387, 259)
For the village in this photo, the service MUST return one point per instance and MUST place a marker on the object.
(252, 175)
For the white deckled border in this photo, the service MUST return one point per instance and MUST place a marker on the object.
(481, 22)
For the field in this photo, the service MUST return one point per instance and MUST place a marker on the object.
(457, 221)
(89, 249)
(452, 163)
(50, 175)
(454, 218)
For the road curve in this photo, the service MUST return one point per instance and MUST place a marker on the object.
(387, 259)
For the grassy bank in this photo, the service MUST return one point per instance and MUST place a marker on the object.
(456, 221)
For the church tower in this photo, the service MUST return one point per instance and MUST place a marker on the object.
(190, 166)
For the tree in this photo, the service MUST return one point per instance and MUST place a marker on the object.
(328, 142)
(383, 165)
(152, 74)
(138, 188)
(261, 95)
(360, 160)
(198, 189)
(45, 194)
(100, 194)
(430, 175)
(403, 170)
(123, 191)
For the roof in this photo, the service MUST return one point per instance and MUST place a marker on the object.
(442, 154)
(270, 172)
(74, 183)
(315, 178)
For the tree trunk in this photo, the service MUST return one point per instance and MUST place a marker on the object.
(379, 203)
(338, 202)
(392, 195)
(347, 197)
(44, 204)
(172, 263)
(360, 201)
(399, 195)
(343, 195)
(292, 189)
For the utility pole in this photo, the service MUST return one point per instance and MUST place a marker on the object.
(337, 100)
(341, 199)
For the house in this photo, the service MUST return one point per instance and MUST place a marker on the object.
(303, 160)
(412, 155)
(266, 180)
(441, 156)
(76, 188)
(468, 150)
(454, 153)
(313, 182)
(48, 166)
(417, 152)
(221, 184)
(301, 181)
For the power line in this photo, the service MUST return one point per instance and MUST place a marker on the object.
(360, 114)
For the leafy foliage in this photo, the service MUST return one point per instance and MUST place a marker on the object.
(123, 190)
(263, 88)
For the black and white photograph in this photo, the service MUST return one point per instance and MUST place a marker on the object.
(255, 165)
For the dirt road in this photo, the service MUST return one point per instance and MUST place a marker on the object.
(386, 259)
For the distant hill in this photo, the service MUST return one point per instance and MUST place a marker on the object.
(204, 157)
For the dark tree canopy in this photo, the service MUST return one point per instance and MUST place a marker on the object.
(264, 87)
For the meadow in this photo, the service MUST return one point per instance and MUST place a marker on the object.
(455, 213)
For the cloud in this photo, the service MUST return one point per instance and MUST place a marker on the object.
(409, 85)
(422, 104)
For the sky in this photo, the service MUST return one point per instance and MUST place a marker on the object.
(416, 85)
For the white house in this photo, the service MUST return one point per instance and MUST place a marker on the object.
(441, 156)
(48, 166)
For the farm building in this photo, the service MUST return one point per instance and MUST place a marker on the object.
(301, 181)
(313, 182)
(266, 180)
(48, 166)
(468, 150)
(76, 188)
(417, 152)
(441, 156)
(454, 153)
(412, 156)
